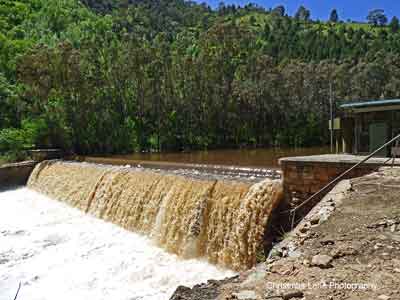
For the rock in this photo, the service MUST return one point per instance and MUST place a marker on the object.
(322, 261)
(181, 293)
(305, 228)
(393, 228)
(245, 295)
(384, 224)
(306, 263)
(275, 253)
(287, 296)
(327, 241)
(383, 297)
(283, 268)
(315, 220)
(209, 290)
(343, 251)
(377, 225)
(358, 267)
(256, 275)
(396, 262)
(294, 254)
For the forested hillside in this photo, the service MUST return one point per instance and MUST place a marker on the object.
(122, 76)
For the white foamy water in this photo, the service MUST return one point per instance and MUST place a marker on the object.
(57, 252)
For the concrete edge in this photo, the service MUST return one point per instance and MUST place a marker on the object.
(18, 164)
(317, 216)
(16, 174)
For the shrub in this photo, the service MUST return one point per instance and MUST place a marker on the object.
(15, 141)
(35, 131)
(13, 156)
(12, 144)
(11, 139)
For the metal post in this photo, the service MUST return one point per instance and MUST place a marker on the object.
(331, 112)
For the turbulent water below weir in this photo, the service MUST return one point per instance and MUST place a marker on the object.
(220, 220)
(58, 252)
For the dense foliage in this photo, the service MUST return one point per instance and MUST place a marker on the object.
(119, 76)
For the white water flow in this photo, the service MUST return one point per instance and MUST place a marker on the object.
(223, 221)
(58, 252)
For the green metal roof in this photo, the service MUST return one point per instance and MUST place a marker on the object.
(371, 103)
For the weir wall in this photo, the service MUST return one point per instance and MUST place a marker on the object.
(17, 174)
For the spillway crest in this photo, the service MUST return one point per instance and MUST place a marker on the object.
(221, 220)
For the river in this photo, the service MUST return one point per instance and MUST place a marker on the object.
(266, 158)
(232, 164)
(58, 252)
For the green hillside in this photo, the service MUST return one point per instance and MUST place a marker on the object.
(123, 76)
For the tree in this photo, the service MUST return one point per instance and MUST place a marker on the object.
(279, 11)
(394, 24)
(377, 17)
(334, 17)
(171, 75)
(303, 14)
(221, 8)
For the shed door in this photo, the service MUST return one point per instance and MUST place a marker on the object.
(378, 134)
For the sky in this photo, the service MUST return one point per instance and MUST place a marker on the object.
(356, 10)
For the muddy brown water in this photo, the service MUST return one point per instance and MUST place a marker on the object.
(218, 220)
(240, 164)
(266, 158)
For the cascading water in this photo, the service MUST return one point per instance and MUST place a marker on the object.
(54, 251)
(220, 220)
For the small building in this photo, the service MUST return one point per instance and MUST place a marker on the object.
(367, 125)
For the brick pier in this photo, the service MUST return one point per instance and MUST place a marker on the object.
(306, 175)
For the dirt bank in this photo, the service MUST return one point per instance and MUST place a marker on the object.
(348, 247)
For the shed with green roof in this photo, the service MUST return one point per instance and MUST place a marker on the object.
(367, 125)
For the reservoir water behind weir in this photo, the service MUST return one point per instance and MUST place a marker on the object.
(249, 165)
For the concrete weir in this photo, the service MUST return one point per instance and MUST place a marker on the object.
(224, 222)
(17, 174)
(302, 177)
